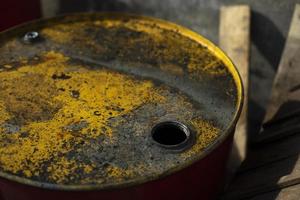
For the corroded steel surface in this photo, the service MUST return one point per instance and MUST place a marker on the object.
(77, 106)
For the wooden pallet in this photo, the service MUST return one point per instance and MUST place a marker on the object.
(271, 169)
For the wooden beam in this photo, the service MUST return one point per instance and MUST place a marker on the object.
(283, 111)
(49, 7)
(234, 39)
(277, 164)
(274, 176)
(289, 193)
(265, 154)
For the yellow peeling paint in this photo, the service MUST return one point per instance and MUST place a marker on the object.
(212, 67)
(206, 133)
(4, 114)
(108, 23)
(87, 169)
(61, 34)
(62, 168)
(100, 91)
(7, 66)
(210, 64)
(117, 172)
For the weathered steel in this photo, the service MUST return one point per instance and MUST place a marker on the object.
(78, 105)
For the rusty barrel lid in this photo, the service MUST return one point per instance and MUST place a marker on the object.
(110, 100)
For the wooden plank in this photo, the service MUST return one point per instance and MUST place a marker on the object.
(259, 156)
(282, 171)
(234, 39)
(274, 176)
(284, 103)
(289, 193)
(49, 7)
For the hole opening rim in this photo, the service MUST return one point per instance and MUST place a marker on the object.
(183, 127)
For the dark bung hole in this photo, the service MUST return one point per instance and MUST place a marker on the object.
(170, 134)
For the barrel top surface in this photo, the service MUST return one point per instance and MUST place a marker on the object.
(78, 102)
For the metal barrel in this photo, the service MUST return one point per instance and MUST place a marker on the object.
(111, 106)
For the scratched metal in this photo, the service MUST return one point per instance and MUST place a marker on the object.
(77, 105)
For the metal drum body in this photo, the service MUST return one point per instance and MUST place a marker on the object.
(203, 180)
(159, 71)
